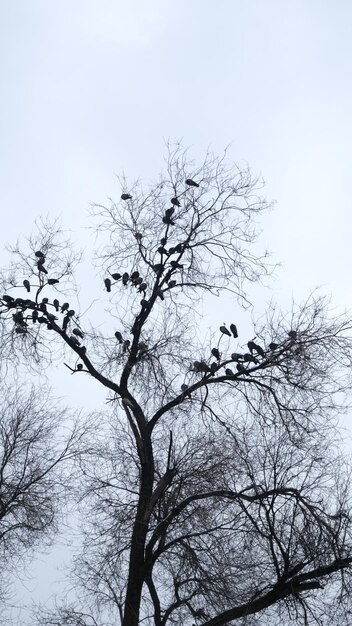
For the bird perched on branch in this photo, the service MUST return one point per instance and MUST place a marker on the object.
(273, 346)
(175, 201)
(65, 307)
(126, 344)
(56, 304)
(126, 196)
(79, 367)
(171, 283)
(176, 265)
(65, 322)
(27, 285)
(168, 220)
(39, 254)
(250, 358)
(53, 281)
(201, 366)
(78, 332)
(107, 283)
(40, 265)
(191, 182)
(293, 335)
(229, 372)
(240, 367)
(125, 278)
(225, 331)
(233, 329)
(215, 352)
(119, 336)
(116, 276)
(134, 275)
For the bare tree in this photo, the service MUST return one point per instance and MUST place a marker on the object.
(215, 492)
(34, 470)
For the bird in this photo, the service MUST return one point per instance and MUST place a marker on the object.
(260, 350)
(43, 307)
(134, 275)
(26, 284)
(168, 220)
(41, 267)
(8, 298)
(138, 281)
(213, 367)
(293, 334)
(172, 283)
(251, 346)
(126, 345)
(126, 196)
(273, 346)
(169, 212)
(75, 340)
(142, 346)
(116, 276)
(235, 356)
(201, 366)
(119, 336)
(42, 320)
(191, 183)
(229, 372)
(107, 283)
(65, 322)
(162, 250)
(35, 316)
(45, 300)
(240, 367)
(51, 317)
(18, 317)
(175, 201)
(70, 313)
(125, 278)
(39, 254)
(233, 329)
(138, 236)
(142, 287)
(250, 358)
(78, 333)
(215, 352)
(184, 387)
(225, 331)
(64, 307)
(157, 267)
(53, 281)
(56, 304)
(163, 241)
(79, 367)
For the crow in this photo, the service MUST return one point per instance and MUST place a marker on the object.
(70, 313)
(8, 298)
(53, 281)
(293, 335)
(79, 367)
(126, 196)
(126, 345)
(176, 265)
(142, 287)
(27, 285)
(41, 267)
(191, 182)
(162, 250)
(233, 329)
(251, 346)
(64, 307)
(170, 212)
(56, 304)
(168, 220)
(240, 367)
(225, 331)
(134, 275)
(64, 322)
(250, 358)
(163, 241)
(175, 201)
(273, 346)
(107, 283)
(158, 267)
(75, 340)
(201, 366)
(138, 236)
(116, 276)
(215, 352)
(119, 336)
(184, 387)
(35, 316)
(260, 350)
(229, 372)
(125, 278)
(39, 254)
(78, 333)
(213, 367)
(235, 356)
(172, 283)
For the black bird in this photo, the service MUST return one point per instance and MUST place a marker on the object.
(65, 322)
(236, 356)
(79, 367)
(116, 276)
(45, 300)
(8, 298)
(51, 317)
(142, 287)
(191, 182)
(53, 281)
(293, 335)
(64, 307)
(178, 248)
(56, 304)
(225, 331)
(213, 367)
(43, 308)
(215, 352)
(176, 265)
(138, 236)
(169, 212)
(107, 283)
(175, 201)
(126, 196)
(126, 344)
(172, 283)
(184, 387)
(41, 267)
(158, 267)
(39, 254)
(240, 367)
(75, 340)
(162, 250)
(168, 220)
(260, 350)
(201, 366)
(41, 320)
(35, 316)
(233, 329)
(138, 281)
(251, 346)
(78, 333)
(163, 241)
(27, 285)
(229, 372)
(70, 313)
(18, 317)
(119, 336)
(125, 278)
(20, 330)
(273, 346)
(160, 294)
(134, 275)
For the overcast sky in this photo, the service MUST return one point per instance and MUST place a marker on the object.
(94, 87)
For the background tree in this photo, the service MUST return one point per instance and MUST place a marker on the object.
(34, 474)
(214, 492)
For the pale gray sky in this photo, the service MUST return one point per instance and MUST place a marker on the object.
(91, 87)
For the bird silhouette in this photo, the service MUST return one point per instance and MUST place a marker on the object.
(273, 346)
(65, 307)
(79, 367)
(191, 183)
(125, 278)
(39, 254)
(293, 335)
(56, 304)
(168, 220)
(184, 387)
(142, 287)
(233, 329)
(78, 333)
(157, 267)
(176, 265)
(41, 267)
(236, 356)
(70, 313)
(175, 201)
(251, 346)
(225, 331)
(119, 336)
(116, 276)
(126, 196)
(201, 366)
(250, 358)
(172, 283)
(240, 367)
(8, 299)
(169, 212)
(215, 352)
(53, 281)
(229, 372)
(35, 316)
(163, 241)
(27, 285)
(65, 322)
(213, 367)
(107, 283)
(162, 250)
(138, 236)
(134, 275)
(126, 344)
